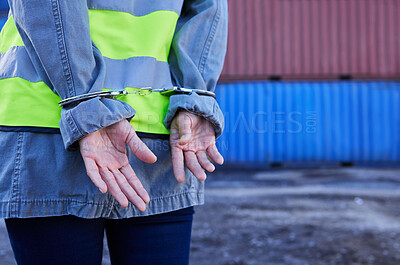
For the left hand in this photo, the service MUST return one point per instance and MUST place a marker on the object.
(107, 165)
(192, 138)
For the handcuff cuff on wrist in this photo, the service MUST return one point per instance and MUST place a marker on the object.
(141, 91)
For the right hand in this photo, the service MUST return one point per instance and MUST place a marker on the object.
(192, 139)
(107, 165)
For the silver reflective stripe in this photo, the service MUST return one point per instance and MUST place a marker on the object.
(137, 72)
(137, 7)
(132, 72)
(16, 63)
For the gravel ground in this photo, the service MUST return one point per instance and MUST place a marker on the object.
(304, 216)
(309, 216)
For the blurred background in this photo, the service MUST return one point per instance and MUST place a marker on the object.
(3, 12)
(311, 82)
(310, 91)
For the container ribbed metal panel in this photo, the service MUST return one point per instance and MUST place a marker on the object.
(2, 21)
(4, 5)
(310, 122)
(3, 12)
(313, 39)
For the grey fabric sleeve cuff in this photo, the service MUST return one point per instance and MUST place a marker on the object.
(89, 116)
(204, 106)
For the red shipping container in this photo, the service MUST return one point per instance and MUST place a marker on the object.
(313, 39)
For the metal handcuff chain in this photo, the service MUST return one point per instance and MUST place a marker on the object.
(141, 91)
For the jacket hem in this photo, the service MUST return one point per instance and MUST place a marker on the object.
(89, 209)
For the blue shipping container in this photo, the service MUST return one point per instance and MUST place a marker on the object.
(310, 123)
(3, 12)
(4, 5)
(2, 22)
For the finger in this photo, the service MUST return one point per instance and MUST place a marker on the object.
(204, 162)
(214, 154)
(135, 183)
(93, 172)
(129, 192)
(178, 163)
(185, 129)
(140, 149)
(194, 166)
(113, 187)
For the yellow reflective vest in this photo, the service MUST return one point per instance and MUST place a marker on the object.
(118, 35)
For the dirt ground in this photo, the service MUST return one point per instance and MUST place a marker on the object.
(303, 216)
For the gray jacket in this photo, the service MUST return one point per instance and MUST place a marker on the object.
(38, 176)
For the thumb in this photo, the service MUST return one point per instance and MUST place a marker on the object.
(185, 138)
(139, 148)
(185, 129)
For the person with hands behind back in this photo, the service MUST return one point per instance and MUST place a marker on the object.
(132, 165)
(104, 153)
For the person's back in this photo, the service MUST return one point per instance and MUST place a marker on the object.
(55, 50)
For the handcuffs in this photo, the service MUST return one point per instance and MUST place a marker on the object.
(141, 91)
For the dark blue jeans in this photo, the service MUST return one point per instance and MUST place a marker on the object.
(159, 239)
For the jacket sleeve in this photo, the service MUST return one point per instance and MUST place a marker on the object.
(57, 38)
(196, 58)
